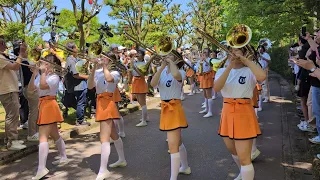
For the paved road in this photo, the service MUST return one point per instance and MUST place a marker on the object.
(146, 149)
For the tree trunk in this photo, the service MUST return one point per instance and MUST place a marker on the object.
(82, 36)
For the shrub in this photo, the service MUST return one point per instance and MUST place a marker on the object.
(279, 61)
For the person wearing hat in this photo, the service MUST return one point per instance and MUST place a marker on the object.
(139, 85)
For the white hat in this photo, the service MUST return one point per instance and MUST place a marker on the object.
(133, 51)
(121, 48)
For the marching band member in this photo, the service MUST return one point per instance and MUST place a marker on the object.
(238, 124)
(206, 82)
(47, 84)
(139, 86)
(264, 61)
(190, 74)
(169, 79)
(105, 82)
(119, 123)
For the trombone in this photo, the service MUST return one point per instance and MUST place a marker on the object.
(56, 68)
(165, 48)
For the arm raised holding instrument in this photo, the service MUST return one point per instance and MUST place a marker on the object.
(156, 76)
(109, 78)
(91, 83)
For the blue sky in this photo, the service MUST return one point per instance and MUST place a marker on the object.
(103, 15)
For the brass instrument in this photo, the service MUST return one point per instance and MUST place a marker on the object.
(237, 37)
(60, 71)
(165, 48)
(200, 68)
(96, 49)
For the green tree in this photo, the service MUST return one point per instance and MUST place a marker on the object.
(207, 15)
(17, 18)
(83, 17)
(143, 18)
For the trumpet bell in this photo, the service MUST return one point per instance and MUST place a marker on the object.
(142, 69)
(239, 36)
(217, 63)
(165, 46)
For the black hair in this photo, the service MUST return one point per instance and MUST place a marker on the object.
(209, 51)
(53, 59)
(303, 41)
(16, 47)
(141, 51)
(262, 47)
(110, 55)
(177, 57)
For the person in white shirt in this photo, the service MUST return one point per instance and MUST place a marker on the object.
(105, 81)
(139, 85)
(206, 82)
(169, 79)
(47, 84)
(264, 60)
(238, 124)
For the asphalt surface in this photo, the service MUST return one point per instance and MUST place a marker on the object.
(146, 149)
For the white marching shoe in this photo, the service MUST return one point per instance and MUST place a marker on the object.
(118, 164)
(209, 114)
(41, 174)
(203, 111)
(102, 176)
(186, 171)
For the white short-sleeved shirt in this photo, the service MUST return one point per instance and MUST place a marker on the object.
(206, 65)
(239, 84)
(263, 63)
(75, 65)
(169, 87)
(53, 83)
(102, 85)
(134, 72)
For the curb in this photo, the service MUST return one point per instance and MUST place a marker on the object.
(291, 136)
(32, 147)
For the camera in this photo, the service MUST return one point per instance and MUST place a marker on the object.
(104, 28)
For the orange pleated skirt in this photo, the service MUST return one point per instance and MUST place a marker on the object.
(190, 72)
(238, 120)
(139, 85)
(255, 98)
(49, 111)
(172, 115)
(116, 95)
(206, 80)
(106, 108)
(199, 77)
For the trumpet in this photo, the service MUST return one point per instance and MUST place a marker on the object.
(165, 48)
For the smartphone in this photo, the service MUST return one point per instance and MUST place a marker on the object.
(304, 31)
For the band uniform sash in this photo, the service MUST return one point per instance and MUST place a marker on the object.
(106, 108)
(116, 95)
(172, 115)
(238, 119)
(49, 111)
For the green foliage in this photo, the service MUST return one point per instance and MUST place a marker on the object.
(279, 61)
(13, 31)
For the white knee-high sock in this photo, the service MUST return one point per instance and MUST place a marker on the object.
(236, 160)
(119, 147)
(61, 148)
(207, 104)
(183, 157)
(210, 103)
(247, 172)
(144, 113)
(175, 165)
(193, 90)
(254, 145)
(120, 124)
(43, 154)
(260, 101)
(256, 111)
(105, 152)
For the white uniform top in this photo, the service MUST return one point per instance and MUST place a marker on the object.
(134, 73)
(53, 83)
(239, 84)
(206, 65)
(169, 87)
(263, 63)
(102, 85)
